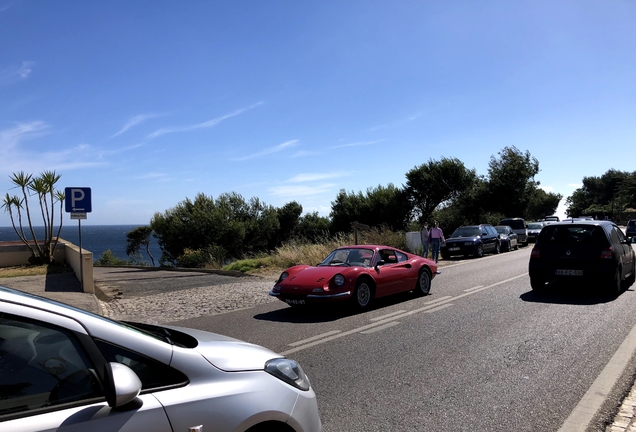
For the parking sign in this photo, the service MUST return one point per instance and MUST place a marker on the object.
(78, 200)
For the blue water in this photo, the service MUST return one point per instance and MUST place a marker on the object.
(95, 238)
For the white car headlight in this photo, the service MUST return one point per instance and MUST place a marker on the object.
(339, 280)
(288, 371)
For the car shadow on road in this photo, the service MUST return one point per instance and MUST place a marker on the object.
(330, 312)
(573, 294)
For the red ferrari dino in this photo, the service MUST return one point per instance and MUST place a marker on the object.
(358, 273)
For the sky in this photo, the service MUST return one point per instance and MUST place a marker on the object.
(149, 103)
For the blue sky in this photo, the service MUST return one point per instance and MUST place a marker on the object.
(151, 102)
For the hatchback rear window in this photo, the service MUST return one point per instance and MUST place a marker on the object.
(572, 235)
(515, 224)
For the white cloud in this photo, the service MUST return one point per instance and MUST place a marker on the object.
(14, 158)
(575, 185)
(547, 188)
(270, 150)
(134, 122)
(207, 124)
(306, 177)
(13, 74)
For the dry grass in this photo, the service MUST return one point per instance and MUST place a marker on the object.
(32, 270)
(303, 252)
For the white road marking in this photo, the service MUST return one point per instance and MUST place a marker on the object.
(473, 288)
(387, 315)
(583, 413)
(311, 339)
(377, 329)
(432, 306)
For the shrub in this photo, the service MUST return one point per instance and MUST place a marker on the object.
(109, 259)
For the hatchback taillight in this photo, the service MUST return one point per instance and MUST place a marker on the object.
(607, 253)
(535, 253)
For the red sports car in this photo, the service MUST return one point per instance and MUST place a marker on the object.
(358, 273)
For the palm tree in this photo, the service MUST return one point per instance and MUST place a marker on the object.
(44, 187)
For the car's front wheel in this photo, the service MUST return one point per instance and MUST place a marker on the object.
(363, 294)
(423, 282)
(480, 251)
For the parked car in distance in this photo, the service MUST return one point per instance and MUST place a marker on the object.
(507, 238)
(534, 228)
(519, 226)
(67, 369)
(473, 240)
(357, 274)
(582, 251)
(630, 229)
(551, 219)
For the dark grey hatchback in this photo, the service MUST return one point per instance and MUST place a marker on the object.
(585, 251)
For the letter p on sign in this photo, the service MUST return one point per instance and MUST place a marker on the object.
(78, 200)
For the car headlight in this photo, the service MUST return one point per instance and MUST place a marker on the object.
(288, 371)
(283, 276)
(339, 280)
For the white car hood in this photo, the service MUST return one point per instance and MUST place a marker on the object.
(229, 354)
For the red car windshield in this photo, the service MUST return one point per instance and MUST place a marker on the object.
(349, 257)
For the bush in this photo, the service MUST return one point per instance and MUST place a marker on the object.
(209, 257)
(109, 259)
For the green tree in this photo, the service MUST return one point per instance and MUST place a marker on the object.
(436, 182)
(234, 227)
(137, 238)
(600, 196)
(511, 181)
(541, 204)
(288, 218)
(313, 227)
(378, 206)
(42, 250)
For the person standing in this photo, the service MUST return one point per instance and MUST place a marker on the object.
(436, 238)
(424, 237)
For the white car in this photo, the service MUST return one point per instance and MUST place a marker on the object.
(62, 368)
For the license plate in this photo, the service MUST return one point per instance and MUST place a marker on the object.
(569, 272)
(295, 302)
(453, 249)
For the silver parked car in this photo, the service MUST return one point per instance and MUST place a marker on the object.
(63, 368)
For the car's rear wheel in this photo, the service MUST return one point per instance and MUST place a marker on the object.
(423, 282)
(480, 251)
(363, 294)
(537, 284)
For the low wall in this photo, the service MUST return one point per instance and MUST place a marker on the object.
(17, 253)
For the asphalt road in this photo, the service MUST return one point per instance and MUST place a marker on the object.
(481, 353)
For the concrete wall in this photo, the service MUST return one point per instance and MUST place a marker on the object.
(17, 253)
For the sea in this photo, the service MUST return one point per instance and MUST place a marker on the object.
(95, 238)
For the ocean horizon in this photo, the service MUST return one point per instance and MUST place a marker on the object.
(95, 238)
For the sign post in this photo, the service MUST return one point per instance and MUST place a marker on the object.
(78, 203)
